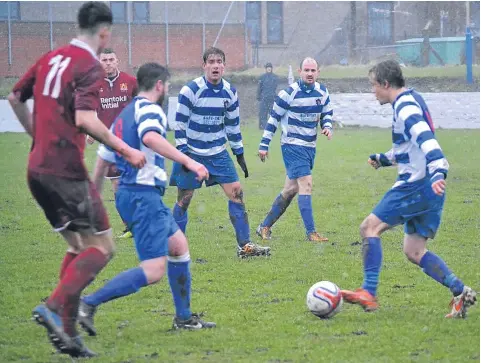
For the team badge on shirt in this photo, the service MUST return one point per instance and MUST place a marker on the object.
(123, 87)
(318, 102)
(226, 105)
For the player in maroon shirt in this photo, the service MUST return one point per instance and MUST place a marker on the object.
(65, 86)
(117, 90)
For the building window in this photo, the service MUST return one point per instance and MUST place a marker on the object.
(274, 22)
(14, 10)
(380, 23)
(140, 12)
(253, 20)
(119, 11)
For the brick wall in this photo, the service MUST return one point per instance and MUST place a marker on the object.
(30, 40)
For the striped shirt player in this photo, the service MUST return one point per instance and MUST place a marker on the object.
(158, 240)
(415, 151)
(416, 198)
(207, 118)
(137, 118)
(300, 109)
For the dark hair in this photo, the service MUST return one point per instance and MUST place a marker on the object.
(213, 51)
(388, 71)
(92, 14)
(149, 73)
(107, 51)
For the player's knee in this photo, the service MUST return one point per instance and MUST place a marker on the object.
(184, 198)
(290, 191)
(237, 194)
(367, 228)
(414, 255)
(178, 244)
(154, 269)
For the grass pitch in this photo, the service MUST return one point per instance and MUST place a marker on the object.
(259, 304)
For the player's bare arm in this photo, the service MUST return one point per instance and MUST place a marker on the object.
(88, 121)
(100, 171)
(22, 112)
(160, 145)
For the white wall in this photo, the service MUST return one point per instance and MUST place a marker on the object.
(349, 109)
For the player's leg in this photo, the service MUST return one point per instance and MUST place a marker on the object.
(237, 211)
(75, 247)
(371, 229)
(184, 197)
(180, 279)
(72, 206)
(145, 211)
(415, 241)
(278, 208)
(114, 176)
(304, 201)
(186, 183)
(240, 221)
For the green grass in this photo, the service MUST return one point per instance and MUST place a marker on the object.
(259, 304)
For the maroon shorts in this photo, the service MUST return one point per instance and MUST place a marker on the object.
(69, 204)
(113, 172)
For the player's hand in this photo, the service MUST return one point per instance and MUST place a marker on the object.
(199, 169)
(242, 163)
(373, 161)
(136, 158)
(90, 140)
(328, 132)
(263, 155)
(439, 186)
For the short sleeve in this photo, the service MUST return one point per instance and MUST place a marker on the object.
(24, 87)
(88, 83)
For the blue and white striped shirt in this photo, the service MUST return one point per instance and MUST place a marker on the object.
(415, 149)
(136, 119)
(207, 116)
(299, 108)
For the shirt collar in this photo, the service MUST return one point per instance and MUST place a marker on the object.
(78, 43)
(305, 87)
(214, 86)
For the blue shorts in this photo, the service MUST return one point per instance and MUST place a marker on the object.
(221, 171)
(150, 221)
(415, 205)
(299, 160)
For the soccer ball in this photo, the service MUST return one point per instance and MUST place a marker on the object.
(324, 299)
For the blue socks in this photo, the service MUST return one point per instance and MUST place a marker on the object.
(125, 283)
(436, 268)
(278, 208)
(305, 207)
(180, 279)
(180, 216)
(372, 257)
(238, 217)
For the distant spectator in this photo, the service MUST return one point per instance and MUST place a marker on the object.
(266, 94)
